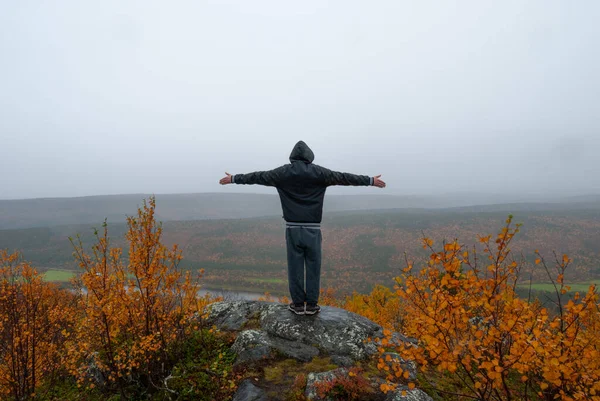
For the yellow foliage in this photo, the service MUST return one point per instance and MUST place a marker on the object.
(471, 324)
(133, 311)
(36, 320)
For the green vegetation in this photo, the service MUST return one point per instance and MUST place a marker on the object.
(205, 372)
(287, 369)
(59, 275)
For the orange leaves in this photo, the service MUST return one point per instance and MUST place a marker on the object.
(134, 312)
(35, 320)
(475, 326)
(351, 387)
(381, 306)
(451, 247)
(485, 239)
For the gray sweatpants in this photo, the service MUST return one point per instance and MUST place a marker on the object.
(304, 246)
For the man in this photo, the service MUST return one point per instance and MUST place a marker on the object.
(301, 186)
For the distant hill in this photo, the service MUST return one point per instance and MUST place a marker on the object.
(49, 212)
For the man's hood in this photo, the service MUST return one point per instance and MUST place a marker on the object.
(302, 152)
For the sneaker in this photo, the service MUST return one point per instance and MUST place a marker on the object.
(311, 309)
(298, 309)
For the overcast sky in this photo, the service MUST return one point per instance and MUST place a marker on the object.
(110, 97)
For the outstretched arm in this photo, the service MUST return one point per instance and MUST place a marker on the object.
(269, 178)
(337, 178)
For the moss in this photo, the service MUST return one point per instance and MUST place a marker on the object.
(253, 322)
(319, 364)
(277, 371)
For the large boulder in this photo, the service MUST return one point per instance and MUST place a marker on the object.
(266, 327)
(268, 333)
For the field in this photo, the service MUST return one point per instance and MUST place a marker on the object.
(58, 275)
(360, 249)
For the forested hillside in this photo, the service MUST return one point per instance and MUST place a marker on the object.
(360, 249)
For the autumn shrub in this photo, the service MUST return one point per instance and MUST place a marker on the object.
(298, 389)
(473, 328)
(381, 305)
(351, 387)
(137, 312)
(567, 348)
(35, 319)
(328, 297)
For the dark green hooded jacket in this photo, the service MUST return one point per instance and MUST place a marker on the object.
(301, 184)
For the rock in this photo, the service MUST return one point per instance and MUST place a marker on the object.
(342, 360)
(332, 331)
(94, 373)
(292, 349)
(313, 378)
(247, 391)
(266, 330)
(254, 345)
(249, 339)
(409, 366)
(401, 339)
(251, 346)
(411, 395)
(232, 315)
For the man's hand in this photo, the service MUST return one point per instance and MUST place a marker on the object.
(377, 182)
(225, 180)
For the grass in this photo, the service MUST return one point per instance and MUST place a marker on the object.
(58, 275)
(581, 287)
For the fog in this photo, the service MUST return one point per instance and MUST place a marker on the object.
(111, 97)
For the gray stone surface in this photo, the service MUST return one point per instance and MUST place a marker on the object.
(94, 373)
(247, 391)
(333, 330)
(254, 345)
(233, 315)
(293, 349)
(409, 366)
(313, 378)
(251, 346)
(411, 395)
(341, 360)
